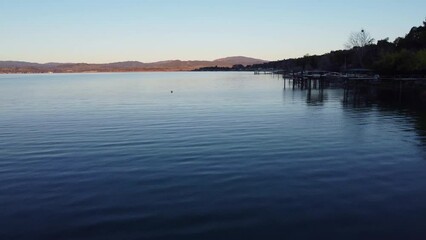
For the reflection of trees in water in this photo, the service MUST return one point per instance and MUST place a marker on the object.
(420, 121)
(363, 100)
(388, 101)
(392, 97)
(359, 97)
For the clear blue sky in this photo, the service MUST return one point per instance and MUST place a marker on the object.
(152, 30)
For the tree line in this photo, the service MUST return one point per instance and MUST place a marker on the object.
(405, 56)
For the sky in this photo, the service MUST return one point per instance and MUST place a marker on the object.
(100, 31)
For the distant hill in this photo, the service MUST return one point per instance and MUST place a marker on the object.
(11, 64)
(230, 61)
(128, 66)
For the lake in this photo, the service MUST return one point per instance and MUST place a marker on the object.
(223, 156)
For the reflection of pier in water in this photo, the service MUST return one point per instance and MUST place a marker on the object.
(314, 87)
(399, 96)
(360, 90)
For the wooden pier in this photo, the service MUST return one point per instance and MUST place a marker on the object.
(400, 87)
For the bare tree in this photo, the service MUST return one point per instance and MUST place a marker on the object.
(359, 40)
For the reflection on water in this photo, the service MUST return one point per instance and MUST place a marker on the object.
(316, 98)
(225, 156)
(366, 99)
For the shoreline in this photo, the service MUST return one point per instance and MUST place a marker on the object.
(171, 71)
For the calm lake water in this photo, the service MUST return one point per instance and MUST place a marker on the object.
(225, 156)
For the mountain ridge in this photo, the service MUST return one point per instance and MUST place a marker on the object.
(124, 66)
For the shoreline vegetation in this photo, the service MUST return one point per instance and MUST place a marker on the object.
(406, 56)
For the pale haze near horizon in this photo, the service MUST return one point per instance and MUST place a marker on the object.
(100, 31)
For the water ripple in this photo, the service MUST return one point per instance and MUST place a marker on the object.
(227, 156)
